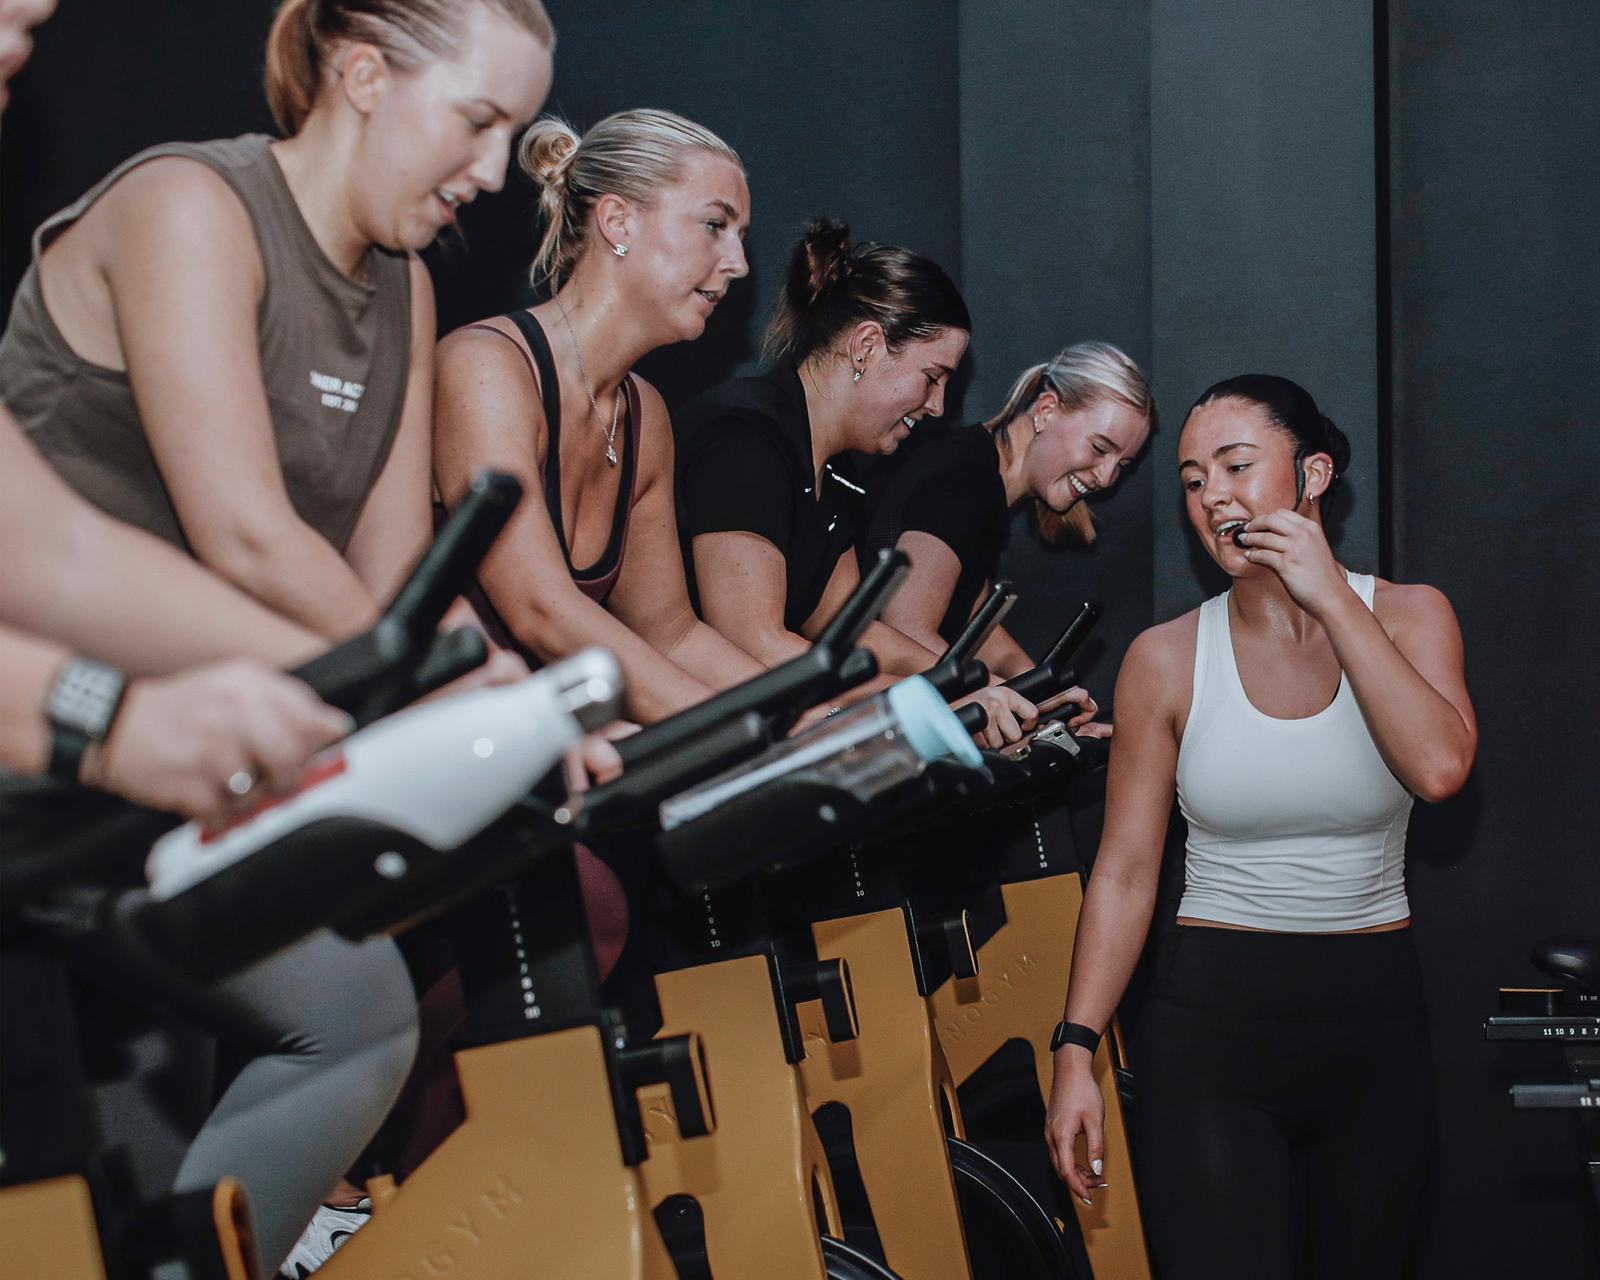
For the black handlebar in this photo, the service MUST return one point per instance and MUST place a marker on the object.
(379, 671)
(973, 716)
(1054, 673)
(866, 602)
(953, 681)
(952, 674)
(634, 796)
(450, 656)
(981, 625)
(780, 695)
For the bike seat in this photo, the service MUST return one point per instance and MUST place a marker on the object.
(1570, 959)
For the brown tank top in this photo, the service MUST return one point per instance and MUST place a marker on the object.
(335, 356)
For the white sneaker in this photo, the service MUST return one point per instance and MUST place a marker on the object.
(326, 1231)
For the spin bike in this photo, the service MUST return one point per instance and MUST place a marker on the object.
(1568, 1016)
(68, 1208)
(549, 1173)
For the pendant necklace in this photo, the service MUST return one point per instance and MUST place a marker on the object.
(594, 404)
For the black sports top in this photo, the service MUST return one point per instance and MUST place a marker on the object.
(946, 484)
(744, 465)
(597, 580)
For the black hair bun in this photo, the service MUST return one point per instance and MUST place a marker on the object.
(1338, 444)
(820, 261)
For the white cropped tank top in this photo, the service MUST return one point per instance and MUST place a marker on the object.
(1297, 826)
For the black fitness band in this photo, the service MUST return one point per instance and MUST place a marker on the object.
(1075, 1033)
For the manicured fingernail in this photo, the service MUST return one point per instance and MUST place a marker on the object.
(1099, 1166)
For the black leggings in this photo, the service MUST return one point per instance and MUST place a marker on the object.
(1285, 1104)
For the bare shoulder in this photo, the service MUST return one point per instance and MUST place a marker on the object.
(1412, 606)
(1164, 651)
(651, 405)
(484, 391)
(1157, 672)
(176, 193)
(487, 355)
(655, 429)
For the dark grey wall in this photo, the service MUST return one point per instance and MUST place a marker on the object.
(1055, 246)
(1193, 179)
(109, 79)
(1496, 130)
(1263, 235)
(824, 123)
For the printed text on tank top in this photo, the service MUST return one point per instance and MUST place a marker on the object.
(334, 358)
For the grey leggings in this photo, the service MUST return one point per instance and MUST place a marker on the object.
(332, 1029)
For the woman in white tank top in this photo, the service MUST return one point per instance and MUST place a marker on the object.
(1284, 1075)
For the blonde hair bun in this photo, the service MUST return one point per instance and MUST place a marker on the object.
(546, 151)
(632, 154)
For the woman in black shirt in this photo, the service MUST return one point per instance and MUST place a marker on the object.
(769, 496)
(1067, 431)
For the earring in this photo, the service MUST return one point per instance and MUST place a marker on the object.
(856, 376)
(1036, 427)
(621, 250)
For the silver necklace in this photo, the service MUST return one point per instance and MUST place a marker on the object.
(594, 404)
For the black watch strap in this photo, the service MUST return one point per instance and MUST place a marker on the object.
(81, 708)
(1075, 1033)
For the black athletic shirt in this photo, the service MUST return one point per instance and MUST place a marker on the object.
(744, 465)
(946, 484)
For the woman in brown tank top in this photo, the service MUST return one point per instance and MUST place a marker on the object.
(646, 222)
(230, 343)
(166, 746)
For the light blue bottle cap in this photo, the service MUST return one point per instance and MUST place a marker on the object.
(930, 726)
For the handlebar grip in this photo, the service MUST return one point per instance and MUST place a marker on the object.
(855, 670)
(645, 785)
(789, 689)
(1053, 674)
(1042, 683)
(830, 666)
(952, 679)
(974, 717)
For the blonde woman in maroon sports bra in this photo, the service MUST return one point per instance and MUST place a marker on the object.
(646, 218)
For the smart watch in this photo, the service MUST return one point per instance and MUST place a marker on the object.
(1075, 1033)
(81, 708)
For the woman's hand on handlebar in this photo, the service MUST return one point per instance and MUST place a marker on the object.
(1088, 708)
(1010, 715)
(594, 760)
(1077, 1107)
(201, 743)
